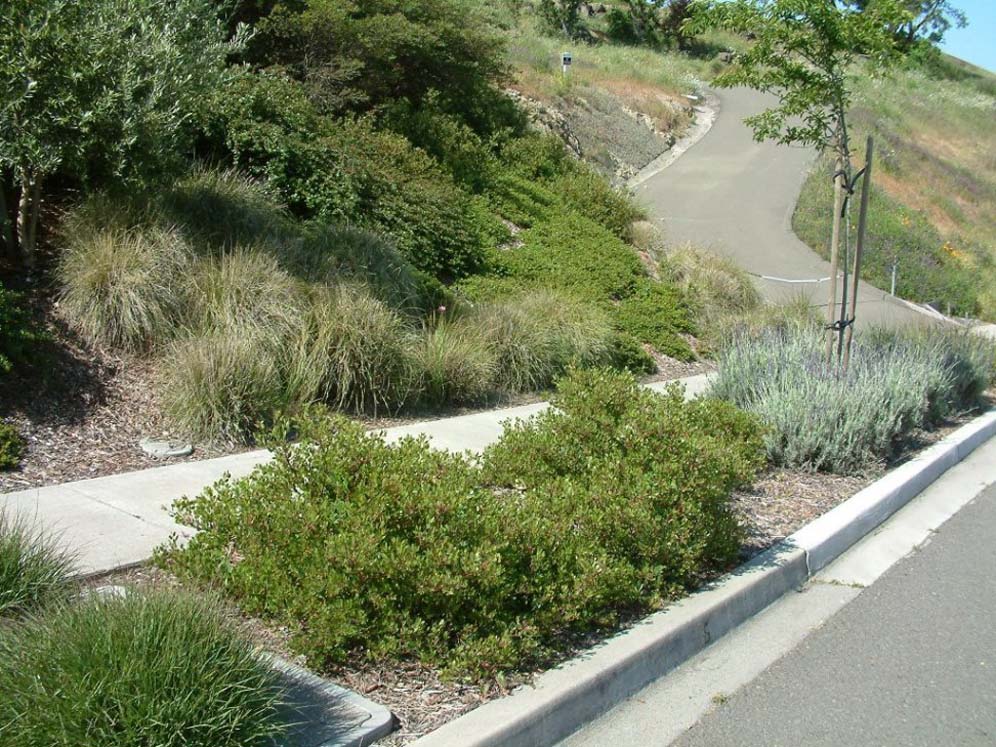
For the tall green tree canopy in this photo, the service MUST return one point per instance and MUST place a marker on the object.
(925, 19)
(101, 89)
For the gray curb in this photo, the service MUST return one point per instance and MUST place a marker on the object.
(565, 698)
(327, 715)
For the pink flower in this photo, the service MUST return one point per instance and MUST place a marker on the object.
(441, 309)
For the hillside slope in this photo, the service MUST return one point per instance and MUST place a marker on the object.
(933, 210)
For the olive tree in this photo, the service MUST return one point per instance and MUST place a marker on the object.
(98, 90)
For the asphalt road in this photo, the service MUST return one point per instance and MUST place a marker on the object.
(910, 661)
(736, 197)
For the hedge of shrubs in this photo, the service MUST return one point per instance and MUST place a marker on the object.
(611, 503)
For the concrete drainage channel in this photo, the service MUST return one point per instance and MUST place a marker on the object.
(564, 699)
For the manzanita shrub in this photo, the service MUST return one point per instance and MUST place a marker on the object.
(611, 503)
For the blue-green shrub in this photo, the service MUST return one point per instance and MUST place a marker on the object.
(822, 419)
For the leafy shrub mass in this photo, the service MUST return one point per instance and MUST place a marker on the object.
(612, 503)
(346, 171)
(12, 446)
(18, 333)
(574, 255)
(849, 422)
(34, 572)
(157, 668)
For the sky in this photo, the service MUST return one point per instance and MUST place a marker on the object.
(977, 42)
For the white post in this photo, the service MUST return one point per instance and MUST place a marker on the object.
(893, 291)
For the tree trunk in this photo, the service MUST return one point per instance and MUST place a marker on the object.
(6, 232)
(838, 205)
(27, 217)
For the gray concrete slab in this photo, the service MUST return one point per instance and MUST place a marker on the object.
(735, 196)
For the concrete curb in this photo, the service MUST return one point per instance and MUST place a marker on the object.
(831, 534)
(565, 698)
(335, 716)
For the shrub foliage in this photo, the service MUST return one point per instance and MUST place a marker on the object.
(611, 503)
(822, 419)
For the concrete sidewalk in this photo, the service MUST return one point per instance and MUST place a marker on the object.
(117, 520)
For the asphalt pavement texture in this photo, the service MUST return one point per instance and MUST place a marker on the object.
(735, 196)
(911, 661)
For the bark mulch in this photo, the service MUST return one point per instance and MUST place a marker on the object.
(83, 410)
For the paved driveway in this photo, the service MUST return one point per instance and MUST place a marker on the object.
(736, 197)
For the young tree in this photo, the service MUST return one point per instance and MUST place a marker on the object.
(804, 52)
(99, 89)
(926, 19)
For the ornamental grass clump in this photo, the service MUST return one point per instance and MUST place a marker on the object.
(608, 505)
(155, 668)
(125, 287)
(34, 571)
(536, 334)
(821, 418)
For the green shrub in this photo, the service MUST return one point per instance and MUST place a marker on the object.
(456, 364)
(163, 669)
(590, 194)
(626, 354)
(18, 333)
(537, 171)
(12, 447)
(656, 313)
(33, 570)
(345, 171)
(399, 551)
(124, 287)
(822, 419)
(535, 335)
(575, 256)
(220, 386)
(573, 253)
